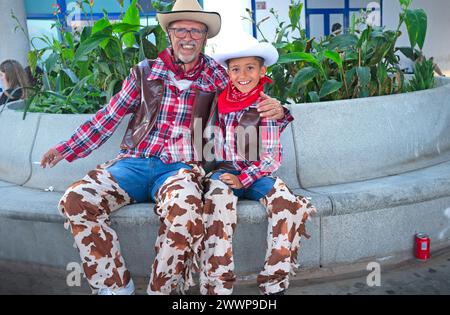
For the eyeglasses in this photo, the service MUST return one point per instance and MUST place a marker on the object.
(182, 32)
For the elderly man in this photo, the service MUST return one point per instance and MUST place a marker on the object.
(157, 160)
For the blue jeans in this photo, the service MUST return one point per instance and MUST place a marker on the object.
(256, 191)
(142, 177)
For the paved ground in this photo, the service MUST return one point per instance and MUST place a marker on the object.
(410, 277)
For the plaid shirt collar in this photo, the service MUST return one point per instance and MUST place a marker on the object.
(205, 82)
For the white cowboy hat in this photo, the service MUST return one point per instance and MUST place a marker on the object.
(244, 45)
(190, 10)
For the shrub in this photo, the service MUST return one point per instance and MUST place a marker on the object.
(359, 63)
(85, 69)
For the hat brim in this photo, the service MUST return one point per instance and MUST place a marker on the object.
(263, 50)
(211, 19)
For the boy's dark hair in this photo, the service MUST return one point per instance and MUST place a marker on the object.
(260, 60)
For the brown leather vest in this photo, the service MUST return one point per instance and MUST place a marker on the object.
(146, 114)
(203, 111)
(249, 118)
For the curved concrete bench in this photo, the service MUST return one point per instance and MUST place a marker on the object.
(377, 169)
(353, 140)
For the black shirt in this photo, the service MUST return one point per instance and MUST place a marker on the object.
(13, 96)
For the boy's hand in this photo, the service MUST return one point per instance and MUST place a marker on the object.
(231, 180)
(51, 158)
(270, 108)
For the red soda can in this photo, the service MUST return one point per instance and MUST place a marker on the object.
(422, 246)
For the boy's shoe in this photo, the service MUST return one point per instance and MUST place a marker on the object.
(128, 290)
(278, 293)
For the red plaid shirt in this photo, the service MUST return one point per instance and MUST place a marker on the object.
(226, 148)
(170, 138)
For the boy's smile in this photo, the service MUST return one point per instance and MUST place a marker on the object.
(245, 73)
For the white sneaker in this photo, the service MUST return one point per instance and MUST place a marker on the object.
(128, 290)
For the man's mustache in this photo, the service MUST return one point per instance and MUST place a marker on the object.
(187, 42)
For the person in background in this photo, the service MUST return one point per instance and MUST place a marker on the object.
(336, 29)
(12, 80)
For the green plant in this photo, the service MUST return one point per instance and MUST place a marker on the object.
(83, 70)
(359, 63)
(416, 23)
(423, 78)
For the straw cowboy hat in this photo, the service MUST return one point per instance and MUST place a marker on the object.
(192, 11)
(244, 45)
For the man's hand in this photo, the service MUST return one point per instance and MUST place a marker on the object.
(270, 108)
(231, 180)
(51, 158)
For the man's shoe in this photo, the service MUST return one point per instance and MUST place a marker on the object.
(278, 293)
(128, 290)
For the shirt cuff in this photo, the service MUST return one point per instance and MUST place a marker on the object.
(286, 120)
(66, 151)
(246, 179)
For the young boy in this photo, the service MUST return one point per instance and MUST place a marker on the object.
(241, 173)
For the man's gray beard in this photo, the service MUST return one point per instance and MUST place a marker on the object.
(187, 59)
(190, 58)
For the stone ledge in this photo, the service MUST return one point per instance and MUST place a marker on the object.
(412, 187)
(347, 141)
(26, 212)
(404, 187)
(35, 204)
(367, 219)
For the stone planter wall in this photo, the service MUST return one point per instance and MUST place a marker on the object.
(377, 169)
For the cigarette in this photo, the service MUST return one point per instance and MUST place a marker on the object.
(37, 163)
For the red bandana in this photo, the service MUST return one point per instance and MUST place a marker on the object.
(233, 100)
(167, 57)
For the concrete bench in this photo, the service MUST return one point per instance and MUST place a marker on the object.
(377, 169)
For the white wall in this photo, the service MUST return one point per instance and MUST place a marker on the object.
(231, 12)
(13, 44)
(282, 8)
(316, 21)
(437, 42)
